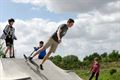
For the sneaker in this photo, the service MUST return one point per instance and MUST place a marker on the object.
(30, 58)
(41, 67)
(4, 56)
(11, 56)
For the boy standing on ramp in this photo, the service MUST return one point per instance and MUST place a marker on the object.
(9, 37)
(54, 40)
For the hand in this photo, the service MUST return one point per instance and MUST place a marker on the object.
(59, 40)
(89, 72)
(9, 36)
(15, 38)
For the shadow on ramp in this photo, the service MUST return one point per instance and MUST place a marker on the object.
(37, 71)
(24, 79)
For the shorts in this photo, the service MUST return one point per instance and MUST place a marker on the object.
(9, 42)
(52, 44)
(40, 57)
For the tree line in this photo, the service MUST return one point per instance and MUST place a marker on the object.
(73, 62)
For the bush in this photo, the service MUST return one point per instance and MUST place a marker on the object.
(112, 71)
(1, 49)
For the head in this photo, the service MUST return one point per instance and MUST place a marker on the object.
(70, 22)
(41, 43)
(11, 21)
(96, 59)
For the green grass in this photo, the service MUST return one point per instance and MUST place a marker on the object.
(104, 74)
(83, 74)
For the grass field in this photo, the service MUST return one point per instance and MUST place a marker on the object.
(104, 74)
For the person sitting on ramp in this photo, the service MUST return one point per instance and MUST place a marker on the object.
(42, 53)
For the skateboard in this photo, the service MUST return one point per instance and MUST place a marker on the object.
(31, 61)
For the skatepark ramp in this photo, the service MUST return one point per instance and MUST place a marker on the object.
(18, 69)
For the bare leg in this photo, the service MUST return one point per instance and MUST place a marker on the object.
(4, 56)
(6, 50)
(48, 54)
(10, 52)
(46, 57)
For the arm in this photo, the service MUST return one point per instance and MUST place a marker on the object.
(36, 48)
(58, 34)
(5, 31)
(99, 68)
(14, 35)
(91, 68)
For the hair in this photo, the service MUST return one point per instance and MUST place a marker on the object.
(96, 59)
(70, 20)
(11, 20)
(41, 42)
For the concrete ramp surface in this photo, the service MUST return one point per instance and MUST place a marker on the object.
(18, 69)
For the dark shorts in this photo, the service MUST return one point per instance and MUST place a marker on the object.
(9, 42)
(40, 57)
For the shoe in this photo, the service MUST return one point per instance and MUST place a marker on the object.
(30, 58)
(4, 56)
(41, 67)
(11, 56)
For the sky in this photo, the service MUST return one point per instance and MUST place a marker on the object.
(96, 28)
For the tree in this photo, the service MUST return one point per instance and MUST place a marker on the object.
(119, 56)
(91, 57)
(1, 49)
(56, 60)
(71, 62)
(104, 57)
(114, 56)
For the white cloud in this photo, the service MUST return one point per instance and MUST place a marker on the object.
(68, 6)
(94, 31)
(33, 2)
(91, 33)
(111, 7)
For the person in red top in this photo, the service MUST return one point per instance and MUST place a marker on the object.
(95, 69)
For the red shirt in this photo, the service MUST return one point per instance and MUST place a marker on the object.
(95, 67)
